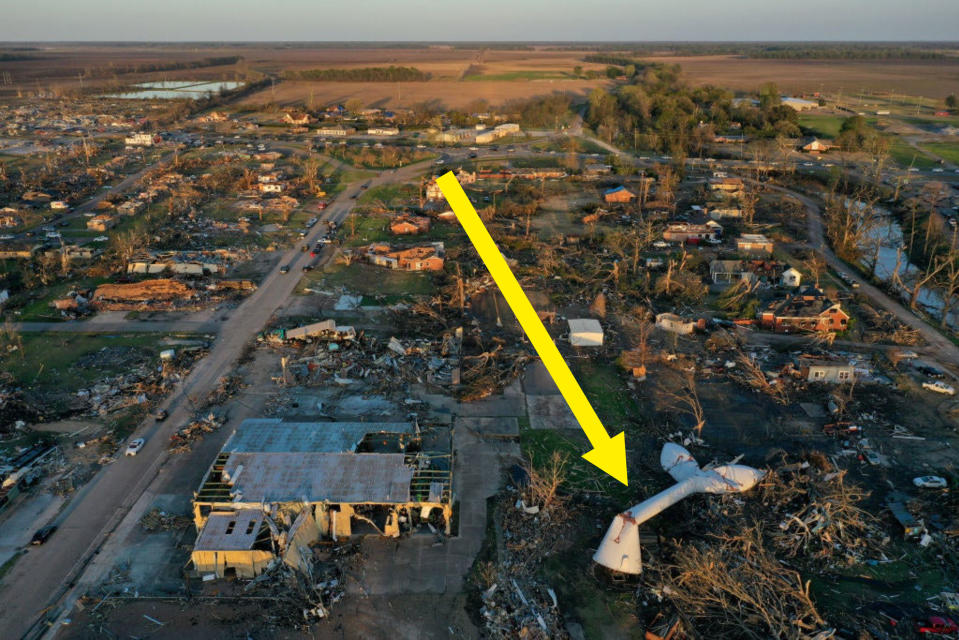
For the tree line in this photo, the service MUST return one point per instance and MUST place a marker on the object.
(844, 52)
(150, 67)
(361, 74)
(656, 110)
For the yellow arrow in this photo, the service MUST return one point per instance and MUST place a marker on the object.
(609, 454)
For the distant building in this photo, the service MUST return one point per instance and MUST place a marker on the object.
(383, 131)
(798, 103)
(9, 218)
(408, 225)
(726, 184)
(754, 243)
(823, 369)
(689, 233)
(618, 195)
(726, 271)
(139, 140)
(791, 278)
(101, 222)
(336, 131)
(675, 324)
(815, 146)
(297, 118)
(722, 213)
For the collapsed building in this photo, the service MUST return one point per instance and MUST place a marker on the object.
(279, 485)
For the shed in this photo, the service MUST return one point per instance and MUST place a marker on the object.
(791, 278)
(585, 332)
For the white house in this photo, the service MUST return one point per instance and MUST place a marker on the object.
(791, 278)
(675, 324)
(139, 140)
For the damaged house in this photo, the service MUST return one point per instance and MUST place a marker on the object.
(277, 486)
(408, 225)
(807, 310)
(427, 257)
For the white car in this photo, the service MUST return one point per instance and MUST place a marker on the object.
(939, 387)
(134, 447)
(930, 482)
(101, 239)
(8, 236)
(53, 235)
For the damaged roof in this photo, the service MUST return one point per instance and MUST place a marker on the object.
(230, 531)
(319, 477)
(272, 435)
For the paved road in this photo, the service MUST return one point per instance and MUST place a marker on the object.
(42, 584)
(45, 576)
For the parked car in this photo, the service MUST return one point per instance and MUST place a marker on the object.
(285, 268)
(930, 482)
(42, 535)
(161, 415)
(932, 372)
(101, 239)
(134, 447)
(937, 625)
(871, 457)
(939, 387)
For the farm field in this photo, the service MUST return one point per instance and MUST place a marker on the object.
(930, 78)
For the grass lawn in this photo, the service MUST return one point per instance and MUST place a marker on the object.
(374, 227)
(39, 310)
(946, 150)
(907, 156)
(821, 125)
(391, 195)
(60, 361)
(369, 280)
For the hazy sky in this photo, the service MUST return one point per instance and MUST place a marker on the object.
(318, 20)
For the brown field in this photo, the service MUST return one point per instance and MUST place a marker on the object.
(527, 73)
(929, 78)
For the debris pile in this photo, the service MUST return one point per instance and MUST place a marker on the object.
(375, 363)
(298, 599)
(733, 586)
(535, 525)
(820, 516)
(182, 440)
(156, 520)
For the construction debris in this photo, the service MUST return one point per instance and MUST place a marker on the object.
(156, 520)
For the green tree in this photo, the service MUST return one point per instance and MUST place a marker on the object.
(951, 101)
(769, 96)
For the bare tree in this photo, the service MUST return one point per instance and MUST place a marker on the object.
(545, 481)
(677, 393)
